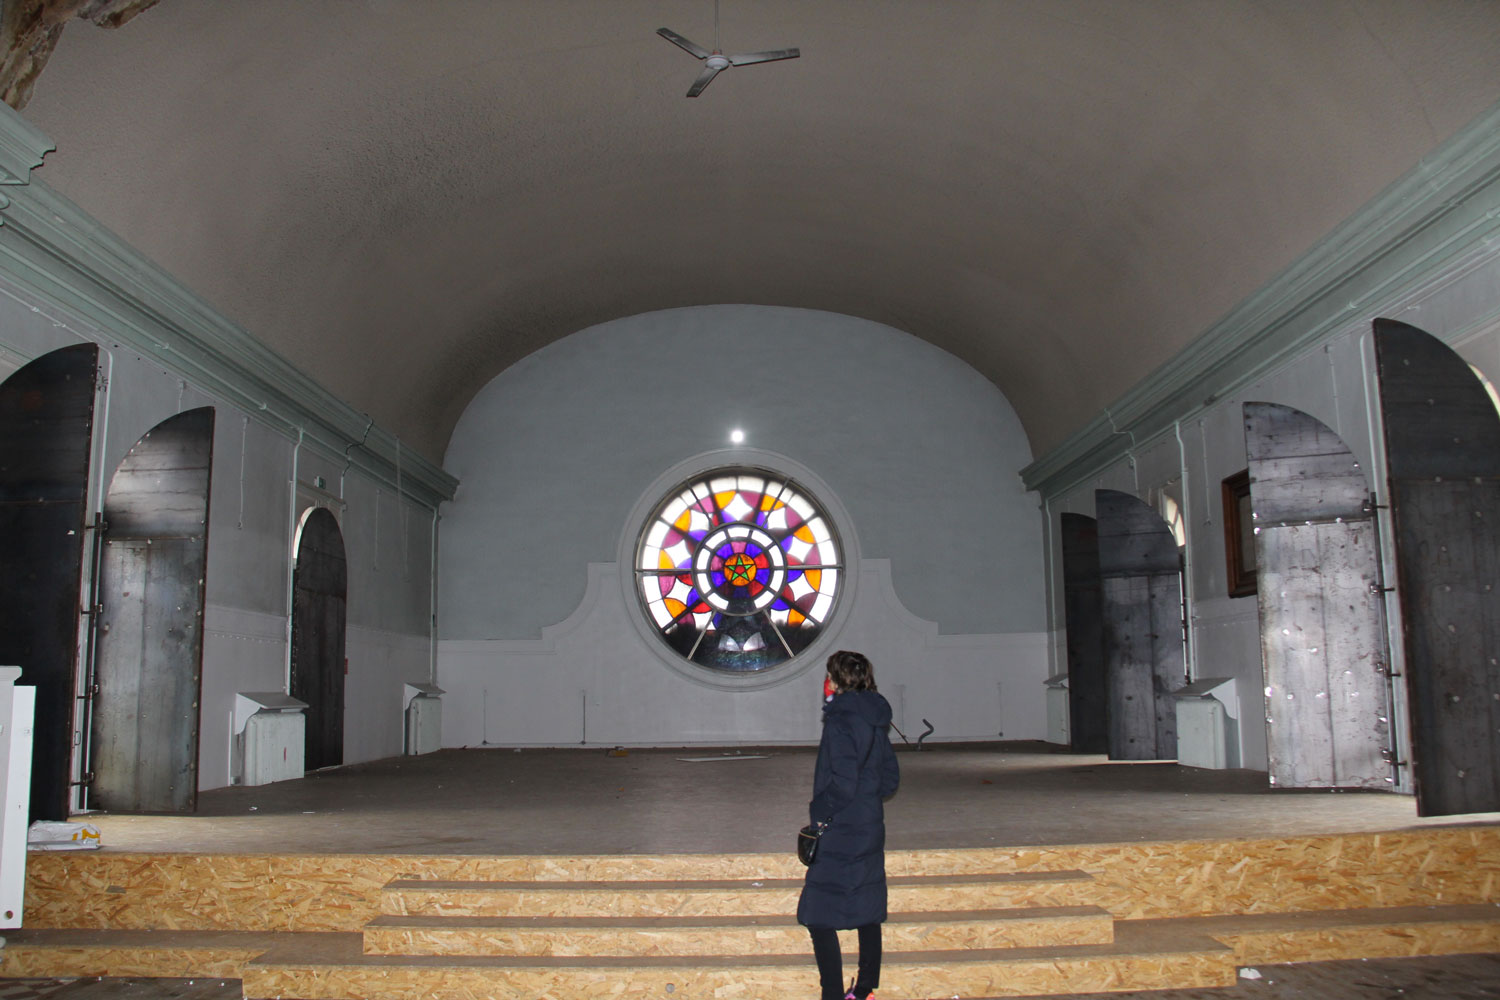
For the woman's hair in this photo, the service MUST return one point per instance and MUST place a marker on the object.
(851, 671)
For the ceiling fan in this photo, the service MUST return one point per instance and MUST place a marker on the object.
(716, 61)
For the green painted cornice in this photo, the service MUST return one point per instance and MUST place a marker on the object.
(22, 146)
(52, 248)
(1422, 225)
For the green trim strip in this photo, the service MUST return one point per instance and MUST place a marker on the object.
(52, 248)
(1419, 227)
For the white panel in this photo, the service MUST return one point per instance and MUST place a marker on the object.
(1201, 733)
(424, 725)
(273, 747)
(1057, 717)
(17, 710)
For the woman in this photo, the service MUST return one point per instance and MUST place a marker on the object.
(856, 769)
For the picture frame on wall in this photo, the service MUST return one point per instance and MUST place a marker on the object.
(1239, 535)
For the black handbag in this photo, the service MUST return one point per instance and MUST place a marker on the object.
(807, 841)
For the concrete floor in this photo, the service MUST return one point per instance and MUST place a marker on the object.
(1462, 977)
(495, 801)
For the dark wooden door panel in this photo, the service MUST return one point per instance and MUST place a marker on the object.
(319, 609)
(1322, 626)
(1088, 695)
(1141, 585)
(1443, 456)
(46, 433)
(143, 745)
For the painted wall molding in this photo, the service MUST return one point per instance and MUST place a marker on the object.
(1442, 212)
(57, 251)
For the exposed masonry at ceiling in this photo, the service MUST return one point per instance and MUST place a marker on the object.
(30, 29)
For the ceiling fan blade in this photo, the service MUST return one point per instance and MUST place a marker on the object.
(748, 58)
(682, 43)
(704, 79)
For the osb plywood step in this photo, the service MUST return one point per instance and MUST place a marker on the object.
(335, 968)
(710, 897)
(30, 952)
(1382, 932)
(718, 935)
(341, 892)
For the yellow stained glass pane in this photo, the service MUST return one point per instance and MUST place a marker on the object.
(768, 502)
(804, 533)
(674, 606)
(683, 520)
(666, 562)
(815, 577)
(795, 618)
(722, 499)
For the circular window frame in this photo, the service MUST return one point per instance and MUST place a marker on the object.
(702, 466)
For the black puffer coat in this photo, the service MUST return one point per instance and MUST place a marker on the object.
(856, 770)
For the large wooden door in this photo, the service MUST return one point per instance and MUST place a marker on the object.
(1442, 441)
(1322, 626)
(143, 745)
(1140, 574)
(319, 602)
(46, 431)
(1082, 604)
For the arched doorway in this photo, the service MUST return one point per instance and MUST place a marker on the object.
(1140, 573)
(319, 605)
(46, 431)
(148, 664)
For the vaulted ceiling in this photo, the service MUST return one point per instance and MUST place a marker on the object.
(404, 197)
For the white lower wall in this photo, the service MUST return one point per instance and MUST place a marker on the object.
(246, 651)
(381, 664)
(242, 651)
(593, 679)
(1227, 633)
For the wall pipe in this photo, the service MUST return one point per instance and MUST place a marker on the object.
(432, 597)
(291, 562)
(1189, 587)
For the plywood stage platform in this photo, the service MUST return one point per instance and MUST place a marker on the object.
(713, 801)
(1014, 871)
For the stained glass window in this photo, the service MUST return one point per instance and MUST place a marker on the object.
(738, 570)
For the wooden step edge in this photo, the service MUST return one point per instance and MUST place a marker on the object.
(1373, 932)
(66, 953)
(665, 924)
(343, 950)
(738, 885)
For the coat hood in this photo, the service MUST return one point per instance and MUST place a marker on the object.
(869, 707)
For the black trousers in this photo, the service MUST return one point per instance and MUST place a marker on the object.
(831, 961)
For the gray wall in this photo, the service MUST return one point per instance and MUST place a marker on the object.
(253, 516)
(555, 452)
(561, 456)
(1334, 382)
